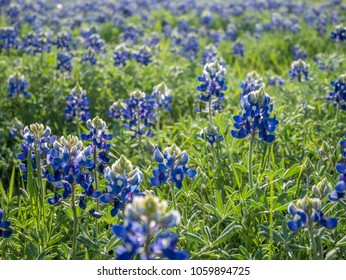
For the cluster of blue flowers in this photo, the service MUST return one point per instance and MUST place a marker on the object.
(211, 134)
(340, 187)
(8, 38)
(36, 43)
(37, 140)
(98, 136)
(209, 55)
(139, 114)
(123, 184)
(5, 232)
(238, 49)
(141, 235)
(173, 165)
(64, 62)
(162, 96)
(212, 87)
(17, 85)
(121, 54)
(339, 34)
(298, 53)
(252, 82)
(307, 212)
(78, 104)
(299, 68)
(338, 95)
(68, 159)
(276, 81)
(256, 117)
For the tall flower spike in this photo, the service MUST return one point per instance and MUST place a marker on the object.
(171, 164)
(123, 184)
(256, 117)
(139, 114)
(308, 211)
(78, 104)
(162, 95)
(144, 219)
(252, 82)
(212, 87)
(338, 95)
(37, 138)
(299, 68)
(121, 55)
(68, 159)
(143, 55)
(98, 136)
(17, 85)
(339, 34)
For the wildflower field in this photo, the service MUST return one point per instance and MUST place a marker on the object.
(148, 129)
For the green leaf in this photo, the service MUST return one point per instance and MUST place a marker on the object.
(89, 243)
(292, 171)
(227, 233)
(194, 237)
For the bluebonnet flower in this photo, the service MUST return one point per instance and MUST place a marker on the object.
(216, 36)
(78, 105)
(212, 87)
(89, 56)
(231, 31)
(5, 232)
(36, 43)
(64, 62)
(16, 128)
(144, 219)
(8, 38)
(143, 55)
(162, 96)
(173, 165)
(98, 136)
(307, 212)
(190, 46)
(299, 68)
(63, 41)
(37, 141)
(258, 30)
(238, 48)
(340, 187)
(328, 62)
(321, 24)
(338, 95)
(207, 18)
(339, 33)
(256, 117)
(152, 40)
(276, 81)
(67, 159)
(252, 82)
(116, 110)
(131, 34)
(17, 85)
(13, 13)
(121, 54)
(211, 134)
(209, 55)
(139, 114)
(298, 53)
(95, 42)
(123, 184)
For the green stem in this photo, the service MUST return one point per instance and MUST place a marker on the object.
(173, 197)
(75, 221)
(312, 241)
(209, 111)
(250, 161)
(96, 187)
